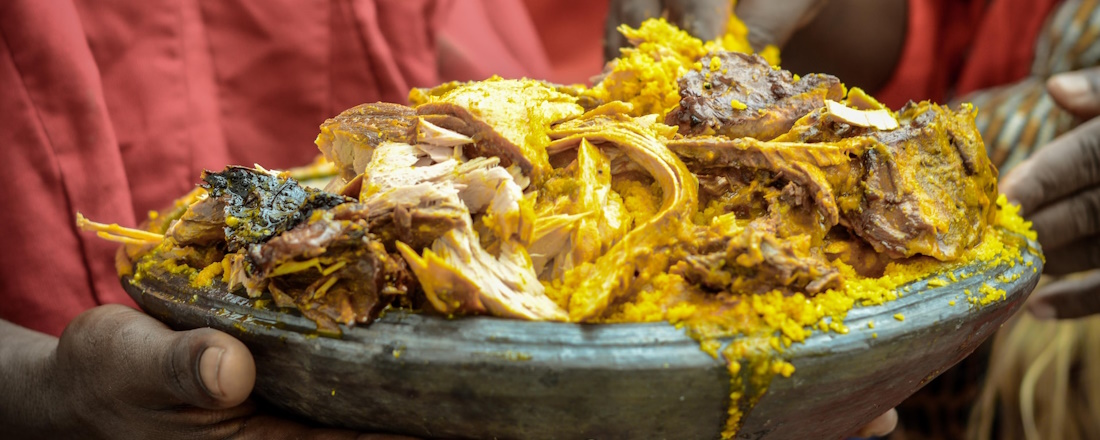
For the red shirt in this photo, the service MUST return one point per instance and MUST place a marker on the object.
(113, 109)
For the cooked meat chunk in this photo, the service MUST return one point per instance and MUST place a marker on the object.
(508, 119)
(349, 139)
(410, 203)
(778, 249)
(416, 226)
(756, 259)
(929, 187)
(740, 95)
(924, 188)
(202, 224)
(259, 205)
(768, 262)
(822, 170)
(333, 271)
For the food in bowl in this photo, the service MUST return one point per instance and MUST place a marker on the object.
(757, 202)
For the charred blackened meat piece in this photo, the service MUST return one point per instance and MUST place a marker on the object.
(739, 95)
(259, 205)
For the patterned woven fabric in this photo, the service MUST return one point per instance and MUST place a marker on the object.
(1016, 119)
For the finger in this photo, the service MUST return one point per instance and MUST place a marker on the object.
(773, 25)
(1078, 256)
(1068, 164)
(766, 24)
(1068, 220)
(267, 427)
(1077, 91)
(703, 19)
(1067, 298)
(154, 366)
(881, 425)
(629, 12)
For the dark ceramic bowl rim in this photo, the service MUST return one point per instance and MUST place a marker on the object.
(390, 359)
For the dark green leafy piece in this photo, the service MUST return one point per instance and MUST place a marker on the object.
(260, 205)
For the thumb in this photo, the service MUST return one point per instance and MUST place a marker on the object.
(881, 426)
(1078, 92)
(146, 363)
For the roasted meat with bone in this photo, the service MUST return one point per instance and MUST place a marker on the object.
(927, 187)
(930, 189)
(739, 95)
(917, 185)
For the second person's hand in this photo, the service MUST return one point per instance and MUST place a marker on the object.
(769, 22)
(704, 19)
(1058, 189)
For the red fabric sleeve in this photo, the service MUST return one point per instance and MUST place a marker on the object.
(935, 45)
(60, 156)
(1005, 49)
(478, 39)
(954, 47)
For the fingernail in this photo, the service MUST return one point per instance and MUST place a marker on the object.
(209, 367)
(1042, 310)
(1073, 84)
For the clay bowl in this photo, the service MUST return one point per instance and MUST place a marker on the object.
(483, 377)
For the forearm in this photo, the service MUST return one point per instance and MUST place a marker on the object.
(30, 406)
